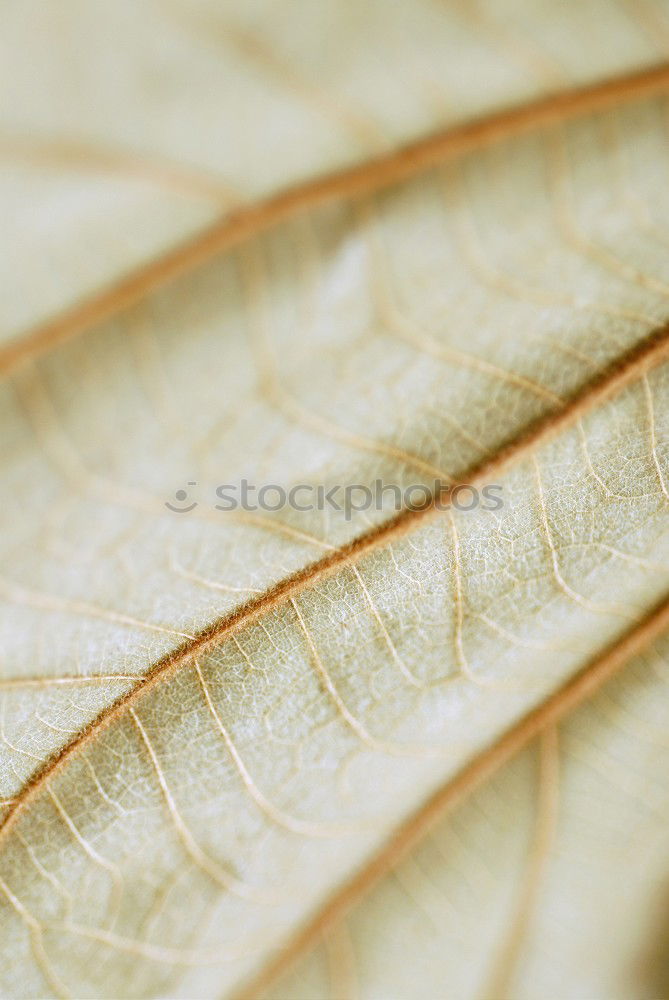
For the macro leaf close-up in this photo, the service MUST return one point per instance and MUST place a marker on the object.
(334, 577)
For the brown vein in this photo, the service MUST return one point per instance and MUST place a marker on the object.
(275, 814)
(74, 152)
(372, 175)
(76, 680)
(571, 694)
(544, 834)
(35, 931)
(221, 876)
(341, 964)
(632, 366)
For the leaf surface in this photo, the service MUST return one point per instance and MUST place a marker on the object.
(219, 728)
(125, 130)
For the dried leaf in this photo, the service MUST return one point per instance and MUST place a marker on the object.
(335, 753)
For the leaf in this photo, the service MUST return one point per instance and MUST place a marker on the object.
(222, 730)
(520, 889)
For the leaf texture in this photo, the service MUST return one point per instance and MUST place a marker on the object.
(515, 888)
(125, 129)
(221, 730)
